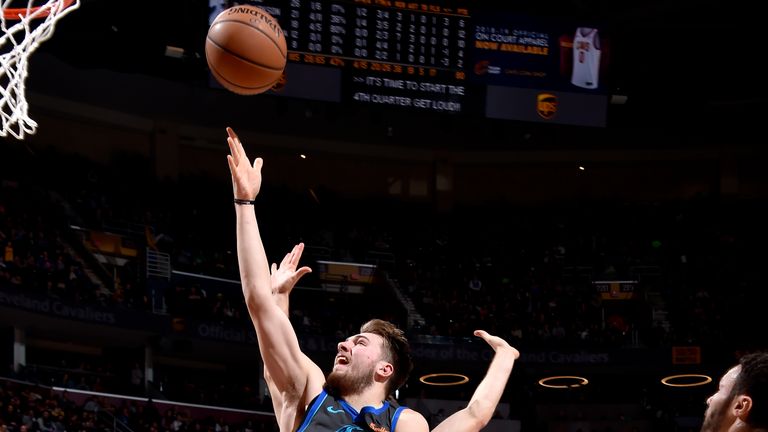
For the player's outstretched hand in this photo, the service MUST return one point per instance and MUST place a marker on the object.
(499, 345)
(246, 178)
(285, 277)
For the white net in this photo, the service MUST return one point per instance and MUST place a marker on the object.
(22, 32)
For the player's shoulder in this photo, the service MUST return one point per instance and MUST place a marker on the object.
(410, 420)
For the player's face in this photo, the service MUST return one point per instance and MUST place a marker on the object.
(356, 361)
(361, 350)
(719, 416)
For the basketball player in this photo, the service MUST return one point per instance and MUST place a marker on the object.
(481, 407)
(369, 366)
(741, 401)
(586, 58)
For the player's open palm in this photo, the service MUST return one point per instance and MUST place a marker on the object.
(285, 277)
(498, 344)
(246, 178)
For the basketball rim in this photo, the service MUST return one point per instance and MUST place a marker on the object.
(15, 13)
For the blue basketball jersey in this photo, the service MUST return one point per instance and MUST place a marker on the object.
(329, 414)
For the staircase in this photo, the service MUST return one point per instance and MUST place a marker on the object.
(414, 317)
(103, 286)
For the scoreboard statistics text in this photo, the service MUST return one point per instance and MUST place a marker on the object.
(432, 57)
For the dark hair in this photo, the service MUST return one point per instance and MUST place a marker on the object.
(397, 347)
(753, 382)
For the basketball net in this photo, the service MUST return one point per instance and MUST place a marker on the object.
(17, 42)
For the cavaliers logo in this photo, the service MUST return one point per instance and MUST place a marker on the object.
(485, 67)
(546, 105)
(481, 67)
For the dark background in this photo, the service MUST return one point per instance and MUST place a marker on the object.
(690, 134)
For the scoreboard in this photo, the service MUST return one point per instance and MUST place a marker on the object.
(438, 57)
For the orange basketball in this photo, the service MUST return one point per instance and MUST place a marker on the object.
(246, 50)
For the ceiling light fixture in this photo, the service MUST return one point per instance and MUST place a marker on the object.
(458, 379)
(672, 380)
(577, 381)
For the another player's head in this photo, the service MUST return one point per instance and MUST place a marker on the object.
(378, 355)
(741, 400)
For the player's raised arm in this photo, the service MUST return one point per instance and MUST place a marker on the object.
(278, 343)
(486, 397)
(283, 279)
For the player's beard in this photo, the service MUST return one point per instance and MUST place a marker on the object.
(352, 382)
(713, 418)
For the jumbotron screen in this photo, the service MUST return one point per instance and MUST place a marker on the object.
(455, 58)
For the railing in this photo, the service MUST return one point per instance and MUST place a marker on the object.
(106, 418)
(158, 264)
(158, 273)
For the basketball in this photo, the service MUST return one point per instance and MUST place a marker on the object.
(246, 50)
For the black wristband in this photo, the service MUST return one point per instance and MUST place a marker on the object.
(244, 202)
